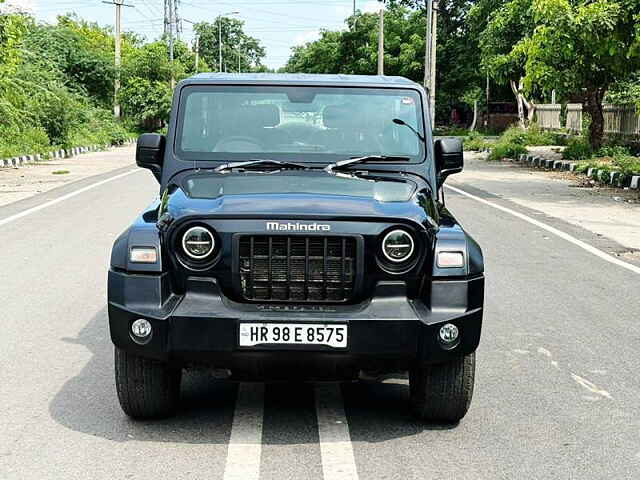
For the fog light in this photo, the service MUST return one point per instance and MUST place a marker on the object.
(141, 329)
(448, 334)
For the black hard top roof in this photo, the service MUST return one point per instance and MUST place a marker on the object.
(300, 79)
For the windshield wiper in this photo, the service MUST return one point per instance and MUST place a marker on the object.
(260, 163)
(402, 123)
(366, 159)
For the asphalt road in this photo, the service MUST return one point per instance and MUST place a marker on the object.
(556, 394)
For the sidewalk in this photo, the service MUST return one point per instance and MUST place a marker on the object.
(29, 180)
(560, 195)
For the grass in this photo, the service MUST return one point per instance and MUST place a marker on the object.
(60, 172)
(514, 141)
(475, 142)
(624, 164)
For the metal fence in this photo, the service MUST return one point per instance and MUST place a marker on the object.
(622, 120)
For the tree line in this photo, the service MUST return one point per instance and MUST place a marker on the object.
(57, 81)
(587, 51)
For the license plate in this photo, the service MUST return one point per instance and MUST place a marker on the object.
(254, 334)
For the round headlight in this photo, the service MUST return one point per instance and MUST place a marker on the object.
(198, 242)
(397, 246)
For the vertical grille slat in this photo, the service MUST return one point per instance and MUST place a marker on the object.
(288, 268)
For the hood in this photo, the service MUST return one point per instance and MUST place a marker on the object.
(297, 195)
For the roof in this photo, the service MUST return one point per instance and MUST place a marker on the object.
(301, 78)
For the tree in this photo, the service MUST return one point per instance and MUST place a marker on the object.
(235, 44)
(581, 48)
(82, 51)
(501, 45)
(354, 50)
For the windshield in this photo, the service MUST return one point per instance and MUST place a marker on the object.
(312, 124)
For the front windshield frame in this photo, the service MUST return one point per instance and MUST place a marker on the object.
(300, 157)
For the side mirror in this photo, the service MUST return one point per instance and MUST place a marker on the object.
(449, 157)
(150, 152)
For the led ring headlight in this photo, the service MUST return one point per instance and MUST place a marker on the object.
(198, 243)
(397, 246)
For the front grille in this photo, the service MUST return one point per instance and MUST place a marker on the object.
(297, 268)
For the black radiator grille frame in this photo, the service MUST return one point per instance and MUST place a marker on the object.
(357, 267)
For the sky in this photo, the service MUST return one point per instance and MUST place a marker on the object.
(278, 24)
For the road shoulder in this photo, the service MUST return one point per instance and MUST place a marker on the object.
(602, 220)
(18, 184)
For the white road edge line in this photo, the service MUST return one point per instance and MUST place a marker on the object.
(550, 229)
(245, 444)
(336, 451)
(55, 201)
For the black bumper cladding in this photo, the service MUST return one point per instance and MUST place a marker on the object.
(202, 326)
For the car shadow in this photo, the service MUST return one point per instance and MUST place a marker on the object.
(87, 403)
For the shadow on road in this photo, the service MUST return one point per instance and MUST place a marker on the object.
(87, 403)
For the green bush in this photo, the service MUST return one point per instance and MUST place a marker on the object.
(475, 142)
(533, 136)
(537, 136)
(613, 151)
(16, 141)
(626, 166)
(504, 149)
(577, 149)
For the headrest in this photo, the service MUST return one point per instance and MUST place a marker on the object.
(259, 115)
(336, 116)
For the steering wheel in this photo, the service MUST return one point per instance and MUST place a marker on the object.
(238, 144)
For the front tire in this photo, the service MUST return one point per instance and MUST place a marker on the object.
(146, 388)
(442, 393)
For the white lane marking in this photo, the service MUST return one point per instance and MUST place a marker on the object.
(336, 451)
(550, 229)
(245, 444)
(592, 387)
(55, 201)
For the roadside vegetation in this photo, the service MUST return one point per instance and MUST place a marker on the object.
(57, 81)
(607, 160)
(513, 142)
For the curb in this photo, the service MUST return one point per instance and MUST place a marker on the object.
(601, 176)
(21, 161)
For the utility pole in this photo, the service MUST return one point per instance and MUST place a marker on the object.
(381, 40)
(166, 17)
(486, 118)
(427, 45)
(118, 58)
(354, 7)
(176, 18)
(197, 52)
(430, 56)
(118, 61)
(219, 43)
(238, 60)
(434, 53)
(171, 24)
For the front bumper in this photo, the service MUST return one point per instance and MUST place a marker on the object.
(387, 332)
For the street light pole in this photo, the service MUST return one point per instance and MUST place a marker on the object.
(117, 50)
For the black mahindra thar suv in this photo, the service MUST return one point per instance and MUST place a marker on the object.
(301, 233)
